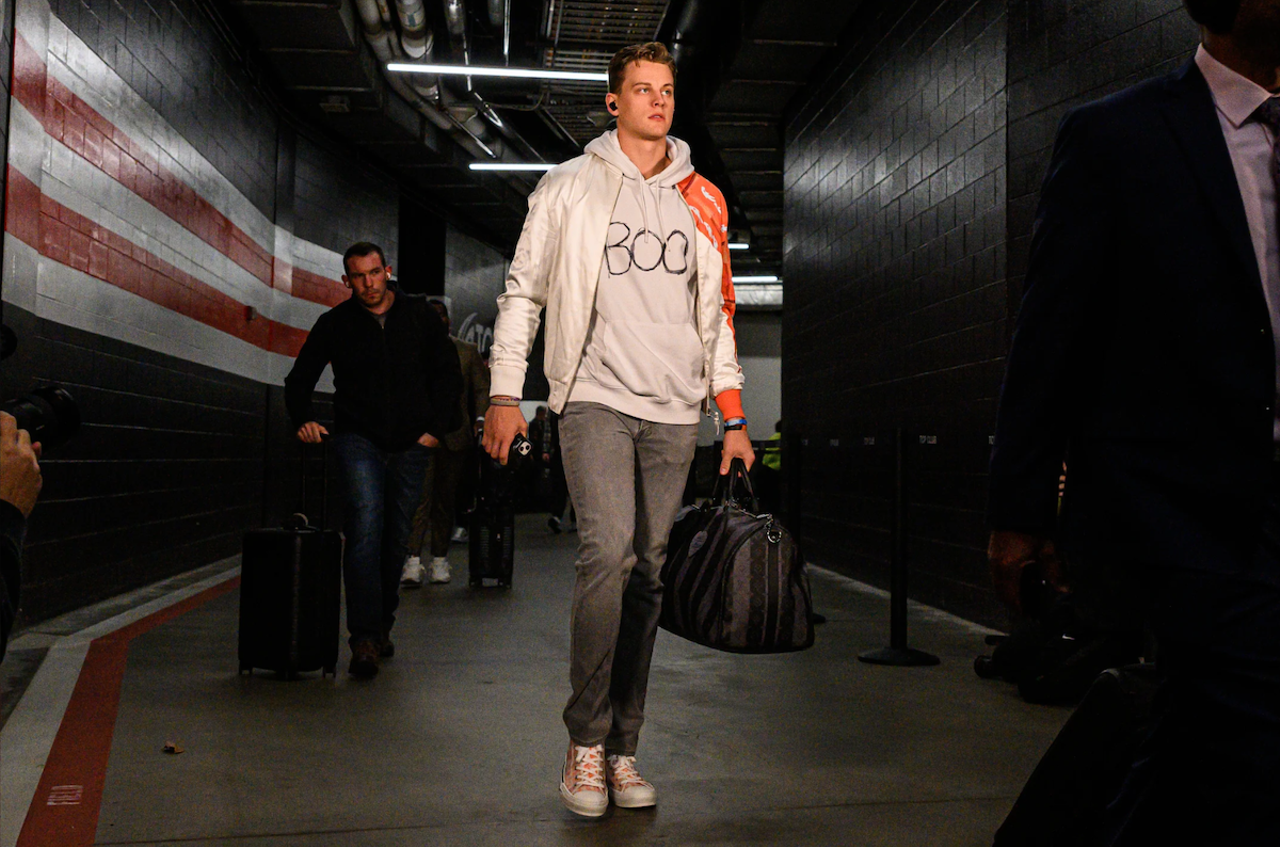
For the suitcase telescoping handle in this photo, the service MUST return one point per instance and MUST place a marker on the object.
(298, 520)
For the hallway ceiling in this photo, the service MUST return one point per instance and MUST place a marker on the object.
(740, 64)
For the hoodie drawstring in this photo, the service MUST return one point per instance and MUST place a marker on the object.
(653, 191)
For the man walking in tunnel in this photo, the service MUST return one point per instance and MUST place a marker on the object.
(1145, 351)
(396, 383)
(626, 248)
(434, 517)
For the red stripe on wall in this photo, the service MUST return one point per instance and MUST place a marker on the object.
(22, 208)
(318, 289)
(77, 125)
(68, 800)
(73, 240)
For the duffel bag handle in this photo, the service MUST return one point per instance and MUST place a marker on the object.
(726, 487)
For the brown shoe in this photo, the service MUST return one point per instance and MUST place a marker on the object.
(364, 660)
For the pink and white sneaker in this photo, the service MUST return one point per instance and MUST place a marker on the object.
(626, 787)
(582, 781)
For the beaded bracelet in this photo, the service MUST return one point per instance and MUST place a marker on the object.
(504, 401)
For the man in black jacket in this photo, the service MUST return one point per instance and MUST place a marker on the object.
(1144, 356)
(396, 382)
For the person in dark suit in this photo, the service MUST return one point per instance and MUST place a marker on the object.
(1145, 356)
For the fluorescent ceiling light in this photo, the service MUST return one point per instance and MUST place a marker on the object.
(739, 245)
(769, 278)
(499, 166)
(512, 73)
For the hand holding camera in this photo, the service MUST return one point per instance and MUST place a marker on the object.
(20, 479)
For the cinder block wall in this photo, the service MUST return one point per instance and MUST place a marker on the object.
(169, 239)
(913, 165)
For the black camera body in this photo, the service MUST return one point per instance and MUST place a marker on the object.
(49, 413)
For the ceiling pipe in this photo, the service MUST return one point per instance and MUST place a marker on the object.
(384, 12)
(418, 43)
(455, 20)
(473, 110)
(507, 129)
(506, 29)
(383, 44)
(414, 35)
(427, 86)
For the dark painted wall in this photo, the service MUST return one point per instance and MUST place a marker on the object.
(912, 172)
(894, 267)
(169, 52)
(1062, 55)
(339, 202)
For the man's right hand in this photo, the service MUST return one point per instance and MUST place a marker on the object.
(311, 433)
(20, 478)
(1009, 553)
(501, 423)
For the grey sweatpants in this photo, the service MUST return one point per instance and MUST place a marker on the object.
(626, 477)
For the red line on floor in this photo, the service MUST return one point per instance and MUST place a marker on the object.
(64, 811)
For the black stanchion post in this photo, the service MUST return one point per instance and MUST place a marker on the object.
(792, 481)
(898, 653)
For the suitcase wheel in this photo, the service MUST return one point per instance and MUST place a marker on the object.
(985, 668)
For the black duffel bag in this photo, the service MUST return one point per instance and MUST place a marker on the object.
(734, 580)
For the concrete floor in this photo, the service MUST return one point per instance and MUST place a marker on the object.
(458, 740)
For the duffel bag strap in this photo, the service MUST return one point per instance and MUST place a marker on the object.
(727, 485)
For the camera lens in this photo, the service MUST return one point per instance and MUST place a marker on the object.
(50, 414)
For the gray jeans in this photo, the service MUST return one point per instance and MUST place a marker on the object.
(626, 477)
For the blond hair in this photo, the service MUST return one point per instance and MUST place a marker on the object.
(653, 51)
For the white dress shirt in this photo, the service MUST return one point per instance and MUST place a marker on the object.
(1252, 146)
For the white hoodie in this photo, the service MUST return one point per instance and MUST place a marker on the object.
(643, 353)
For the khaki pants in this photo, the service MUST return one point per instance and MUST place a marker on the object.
(435, 512)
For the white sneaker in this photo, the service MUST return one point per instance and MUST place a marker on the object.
(411, 576)
(582, 781)
(626, 787)
(440, 570)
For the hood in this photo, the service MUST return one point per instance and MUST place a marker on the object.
(606, 147)
(656, 189)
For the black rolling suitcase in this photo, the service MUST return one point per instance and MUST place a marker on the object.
(289, 598)
(1064, 802)
(493, 521)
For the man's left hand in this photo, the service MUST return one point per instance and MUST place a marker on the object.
(737, 445)
(429, 440)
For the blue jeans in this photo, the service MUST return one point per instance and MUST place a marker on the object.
(380, 492)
